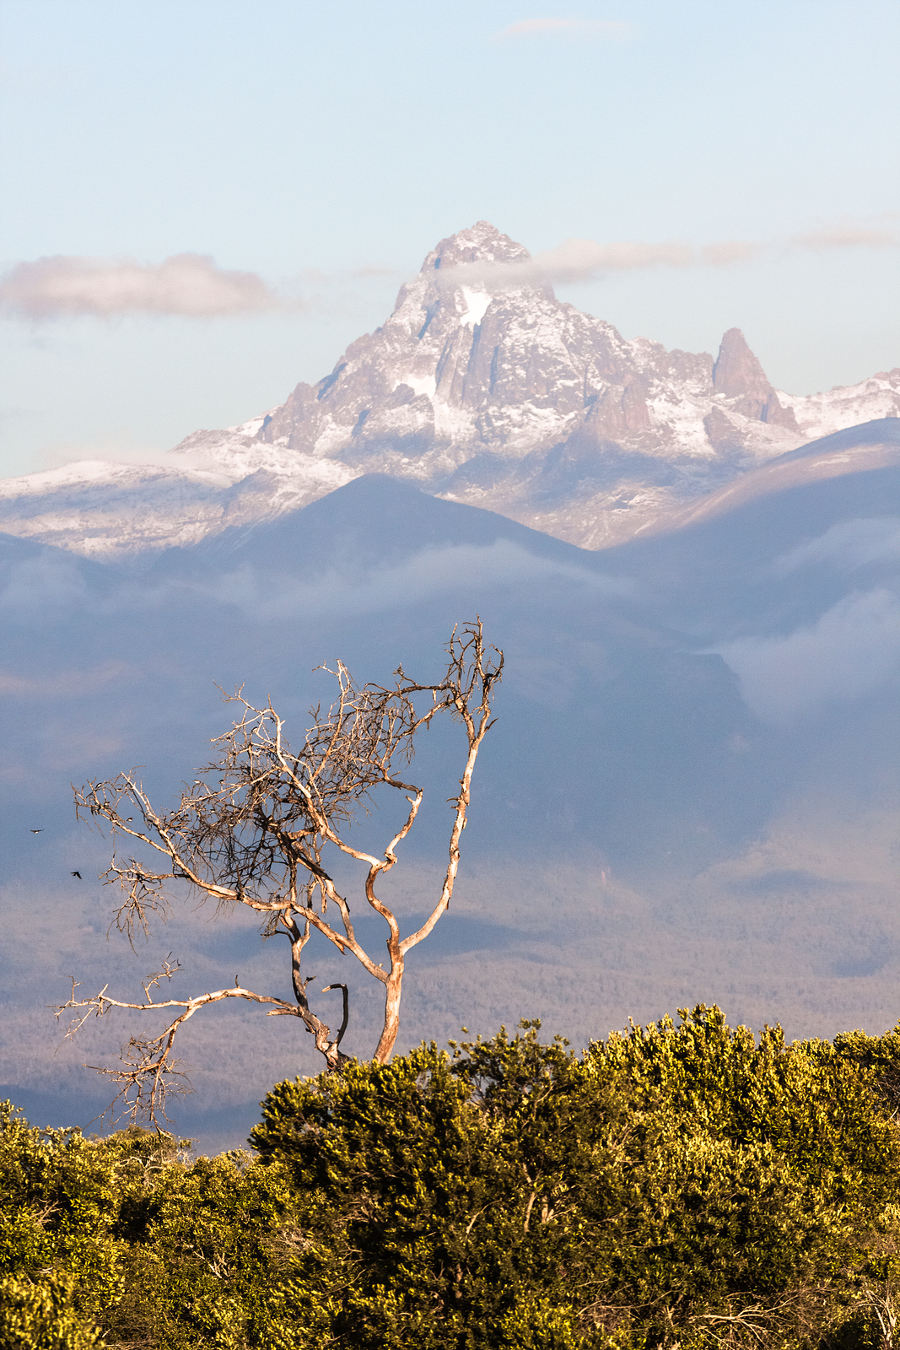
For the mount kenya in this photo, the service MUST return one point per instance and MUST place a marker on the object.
(692, 788)
(481, 388)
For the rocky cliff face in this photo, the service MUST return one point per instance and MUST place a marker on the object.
(481, 387)
(738, 376)
(472, 361)
(480, 374)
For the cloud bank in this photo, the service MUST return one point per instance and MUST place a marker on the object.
(852, 650)
(187, 284)
(428, 573)
(848, 545)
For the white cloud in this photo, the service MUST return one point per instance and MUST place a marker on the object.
(192, 285)
(849, 544)
(849, 652)
(603, 28)
(187, 284)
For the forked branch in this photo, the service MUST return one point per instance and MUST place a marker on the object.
(262, 827)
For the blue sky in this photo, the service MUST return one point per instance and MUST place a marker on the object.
(321, 151)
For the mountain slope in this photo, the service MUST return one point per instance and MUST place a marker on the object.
(490, 391)
(690, 792)
(480, 387)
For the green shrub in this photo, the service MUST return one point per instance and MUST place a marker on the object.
(684, 1184)
(41, 1315)
(664, 1179)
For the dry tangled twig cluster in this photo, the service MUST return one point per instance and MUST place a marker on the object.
(261, 826)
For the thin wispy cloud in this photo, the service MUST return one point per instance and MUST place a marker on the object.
(191, 285)
(578, 258)
(847, 236)
(728, 251)
(613, 29)
(48, 582)
(586, 259)
(188, 285)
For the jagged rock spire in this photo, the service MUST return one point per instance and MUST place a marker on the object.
(736, 370)
(738, 375)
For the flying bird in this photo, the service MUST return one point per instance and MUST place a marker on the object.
(38, 831)
(77, 874)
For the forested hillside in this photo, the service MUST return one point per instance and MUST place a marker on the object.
(682, 1185)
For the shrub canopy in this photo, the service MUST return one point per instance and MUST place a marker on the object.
(684, 1184)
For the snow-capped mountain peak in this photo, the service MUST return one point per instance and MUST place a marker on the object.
(480, 243)
(482, 387)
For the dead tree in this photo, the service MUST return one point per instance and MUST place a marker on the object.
(264, 825)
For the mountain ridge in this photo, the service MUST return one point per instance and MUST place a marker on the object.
(692, 784)
(483, 388)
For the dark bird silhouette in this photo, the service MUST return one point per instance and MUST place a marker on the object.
(77, 874)
(40, 831)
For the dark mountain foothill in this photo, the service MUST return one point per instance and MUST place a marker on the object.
(690, 718)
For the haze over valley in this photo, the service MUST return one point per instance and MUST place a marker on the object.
(326, 330)
(691, 789)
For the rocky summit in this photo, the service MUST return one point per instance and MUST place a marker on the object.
(487, 389)
(481, 387)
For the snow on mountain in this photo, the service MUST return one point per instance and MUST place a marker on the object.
(481, 387)
(821, 414)
(695, 767)
(98, 508)
(103, 509)
(860, 449)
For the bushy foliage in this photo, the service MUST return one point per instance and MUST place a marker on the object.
(683, 1185)
(120, 1242)
(41, 1315)
(652, 1190)
(59, 1199)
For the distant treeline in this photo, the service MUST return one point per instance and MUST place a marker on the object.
(682, 1185)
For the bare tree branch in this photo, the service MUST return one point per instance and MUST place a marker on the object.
(147, 1071)
(263, 825)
